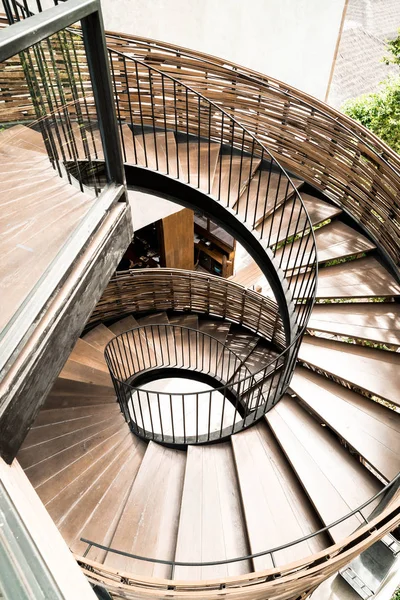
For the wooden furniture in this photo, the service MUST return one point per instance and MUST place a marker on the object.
(215, 248)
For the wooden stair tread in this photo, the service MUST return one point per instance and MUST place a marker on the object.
(211, 523)
(100, 506)
(232, 176)
(123, 325)
(375, 371)
(157, 151)
(20, 136)
(51, 476)
(335, 481)
(374, 321)
(77, 371)
(52, 424)
(318, 210)
(201, 172)
(191, 321)
(217, 329)
(88, 355)
(55, 445)
(363, 278)
(99, 337)
(347, 414)
(149, 522)
(270, 189)
(334, 240)
(275, 506)
(242, 344)
(160, 318)
(78, 490)
(101, 525)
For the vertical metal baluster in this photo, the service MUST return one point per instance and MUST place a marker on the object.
(198, 142)
(172, 418)
(165, 121)
(266, 200)
(209, 414)
(197, 416)
(130, 109)
(236, 201)
(209, 150)
(153, 118)
(160, 415)
(141, 114)
(187, 134)
(176, 130)
(184, 418)
(150, 414)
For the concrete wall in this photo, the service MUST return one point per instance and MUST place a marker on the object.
(292, 40)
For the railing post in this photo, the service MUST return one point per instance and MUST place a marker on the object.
(99, 67)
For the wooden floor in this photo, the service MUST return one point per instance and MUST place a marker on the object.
(38, 213)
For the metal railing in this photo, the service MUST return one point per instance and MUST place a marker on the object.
(363, 515)
(234, 399)
(54, 83)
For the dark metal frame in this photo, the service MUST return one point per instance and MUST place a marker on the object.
(14, 40)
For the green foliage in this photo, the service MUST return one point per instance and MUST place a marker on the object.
(396, 595)
(380, 111)
(394, 57)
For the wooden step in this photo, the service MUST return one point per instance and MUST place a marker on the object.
(375, 321)
(292, 221)
(191, 321)
(149, 523)
(276, 508)
(159, 340)
(123, 325)
(53, 445)
(375, 371)
(201, 158)
(157, 151)
(241, 344)
(213, 351)
(368, 427)
(363, 278)
(232, 176)
(101, 524)
(265, 193)
(76, 371)
(139, 354)
(211, 524)
(51, 424)
(335, 240)
(52, 475)
(335, 481)
(20, 136)
(87, 355)
(97, 509)
(62, 504)
(66, 388)
(99, 337)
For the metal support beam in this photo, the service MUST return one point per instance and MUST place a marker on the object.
(97, 57)
(24, 34)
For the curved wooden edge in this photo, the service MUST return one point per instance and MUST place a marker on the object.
(282, 583)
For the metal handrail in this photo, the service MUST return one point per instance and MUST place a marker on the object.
(161, 347)
(270, 551)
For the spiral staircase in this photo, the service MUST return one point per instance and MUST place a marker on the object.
(203, 438)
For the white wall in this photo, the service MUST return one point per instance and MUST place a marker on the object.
(292, 40)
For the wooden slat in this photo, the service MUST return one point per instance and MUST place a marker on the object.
(276, 509)
(363, 278)
(123, 325)
(372, 435)
(149, 522)
(375, 371)
(88, 355)
(334, 480)
(374, 321)
(211, 526)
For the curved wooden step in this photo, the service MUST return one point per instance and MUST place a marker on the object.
(368, 427)
(375, 371)
(334, 240)
(276, 509)
(149, 522)
(335, 481)
(363, 278)
(375, 321)
(211, 526)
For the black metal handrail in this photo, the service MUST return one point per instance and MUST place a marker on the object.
(390, 487)
(237, 399)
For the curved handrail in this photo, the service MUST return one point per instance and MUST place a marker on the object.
(349, 163)
(236, 398)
